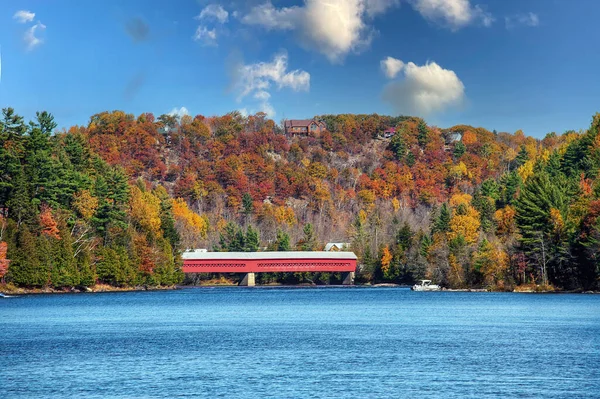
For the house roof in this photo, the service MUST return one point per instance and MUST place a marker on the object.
(299, 122)
(191, 255)
(339, 245)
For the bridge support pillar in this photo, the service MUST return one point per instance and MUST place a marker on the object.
(248, 280)
(348, 278)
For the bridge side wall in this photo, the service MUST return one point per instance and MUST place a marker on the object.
(268, 265)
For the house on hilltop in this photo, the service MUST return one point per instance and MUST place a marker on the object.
(337, 246)
(304, 127)
(389, 132)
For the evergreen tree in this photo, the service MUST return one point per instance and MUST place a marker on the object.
(283, 241)
(486, 208)
(19, 203)
(522, 157)
(112, 192)
(397, 146)
(404, 237)
(489, 188)
(239, 242)
(247, 205)
(309, 241)
(108, 266)
(459, 150)
(25, 267)
(12, 129)
(227, 239)
(541, 217)
(252, 241)
(410, 159)
(510, 184)
(582, 155)
(442, 222)
(167, 220)
(425, 244)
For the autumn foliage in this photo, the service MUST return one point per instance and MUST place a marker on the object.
(121, 197)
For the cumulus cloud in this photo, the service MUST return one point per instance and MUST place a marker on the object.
(530, 19)
(179, 112)
(214, 12)
(207, 37)
(332, 27)
(258, 79)
(453, 13)
(424, 90)
(391, 67)
(30, 38)
(24, 16)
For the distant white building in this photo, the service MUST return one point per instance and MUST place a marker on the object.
(337, 246)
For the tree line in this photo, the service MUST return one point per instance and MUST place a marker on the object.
(117, 200)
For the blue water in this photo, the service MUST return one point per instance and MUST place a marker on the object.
(300, 343)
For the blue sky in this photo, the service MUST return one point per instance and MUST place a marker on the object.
(504, 65)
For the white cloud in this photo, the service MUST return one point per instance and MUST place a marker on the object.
(214, 12)
(269, 17)
(453, 13)
(530, 19)
(268, 109)
(30, 38)
(257, 80)
(259, 77)
(207, 37)
(391, 67)
(262, 95)
(375, 7)
(179, 112)
(332, 27)
(24, 16)
(424, 90)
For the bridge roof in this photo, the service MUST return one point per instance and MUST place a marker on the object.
(192, 255)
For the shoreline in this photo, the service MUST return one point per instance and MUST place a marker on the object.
(99, 288)
(102, 288)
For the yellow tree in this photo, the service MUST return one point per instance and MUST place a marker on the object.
(492, 262)
(85, 204)
(191, 226)
(505, 221)
(465, 219)
(386, 260)
(144, 208)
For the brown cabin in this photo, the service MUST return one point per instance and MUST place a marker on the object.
(304, 127)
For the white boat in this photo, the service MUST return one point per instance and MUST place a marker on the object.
(426, 285)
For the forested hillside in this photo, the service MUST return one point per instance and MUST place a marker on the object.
(117, 201)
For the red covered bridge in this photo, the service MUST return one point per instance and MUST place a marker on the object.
(257, 262)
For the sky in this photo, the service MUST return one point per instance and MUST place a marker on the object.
(503, 65)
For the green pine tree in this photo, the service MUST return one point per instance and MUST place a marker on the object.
(442, 222)
(309, 241)
(459, 150)
(283, 241)
(252, 241)
(397, 146)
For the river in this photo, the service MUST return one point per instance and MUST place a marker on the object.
(329, 342)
